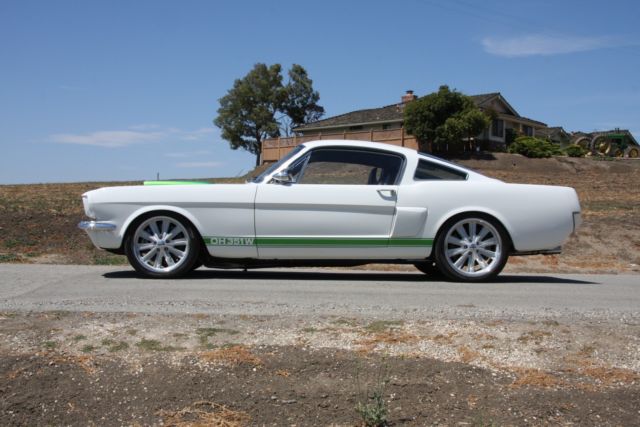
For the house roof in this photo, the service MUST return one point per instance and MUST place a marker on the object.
(388, 113)
(553, 131)
(393, 113)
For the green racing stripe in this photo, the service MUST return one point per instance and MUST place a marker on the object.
(334, 242)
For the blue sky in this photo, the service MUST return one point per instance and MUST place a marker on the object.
(118, 90)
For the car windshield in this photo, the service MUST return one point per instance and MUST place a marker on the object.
(277, 164)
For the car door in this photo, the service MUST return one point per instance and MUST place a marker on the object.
(340, 205)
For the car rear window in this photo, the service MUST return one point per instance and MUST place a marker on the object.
(428, 171)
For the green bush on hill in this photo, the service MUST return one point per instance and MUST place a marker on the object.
(575, 150)
(534, 147)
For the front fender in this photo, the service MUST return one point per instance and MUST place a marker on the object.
(154, 208)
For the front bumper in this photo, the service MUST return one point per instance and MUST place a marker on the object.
(103, 234)
(96, 226)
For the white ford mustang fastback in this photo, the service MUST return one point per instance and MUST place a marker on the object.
(331, 203)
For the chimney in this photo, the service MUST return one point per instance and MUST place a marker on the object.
(408, 97)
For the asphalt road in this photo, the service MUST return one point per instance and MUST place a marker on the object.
(317, 292)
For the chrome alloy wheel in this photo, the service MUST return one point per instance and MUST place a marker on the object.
(161, 244)
(473, 247)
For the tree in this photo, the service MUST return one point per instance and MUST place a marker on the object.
(444, 117)
(301, 105)
(247, 112)
(259, 106)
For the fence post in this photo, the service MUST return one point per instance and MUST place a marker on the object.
(371, 135)
(344, 134)
(402, 136)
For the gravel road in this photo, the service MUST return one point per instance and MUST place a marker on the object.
(312, 292)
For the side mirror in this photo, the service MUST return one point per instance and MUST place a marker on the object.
(282, 177)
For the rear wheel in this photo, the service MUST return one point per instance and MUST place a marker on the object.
(472, 248)
(162, 246)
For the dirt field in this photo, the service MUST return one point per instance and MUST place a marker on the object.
(38, 222)
(61, 368)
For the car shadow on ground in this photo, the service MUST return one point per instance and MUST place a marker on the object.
(358, 276)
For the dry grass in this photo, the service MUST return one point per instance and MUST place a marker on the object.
(536, 378)
(583, 365)
(392, 337)
(85, 362)
(536, 336)
(467, 355)
(386, 332)
(608, 376)
(232, 356)
(283, 373)
(444, 338)
(204, 414)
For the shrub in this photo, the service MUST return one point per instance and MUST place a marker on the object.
(575, 150)
(374, 414)
(534, 147)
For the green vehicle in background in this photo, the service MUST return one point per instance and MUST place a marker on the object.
(613, 143)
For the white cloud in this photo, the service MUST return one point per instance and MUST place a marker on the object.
(145, 127)
(201, 165)
(195, 135)
(185, 154)
(538, 44)
(109, 139)
(133, 135)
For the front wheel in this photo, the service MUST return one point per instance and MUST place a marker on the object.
(429, 268)
(162, 246)
(472, 249)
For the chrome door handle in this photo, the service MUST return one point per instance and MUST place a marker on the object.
(387, 193)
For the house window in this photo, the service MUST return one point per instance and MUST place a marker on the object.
(527, 130)
(386, 126)
(355, 128)
(497, 128)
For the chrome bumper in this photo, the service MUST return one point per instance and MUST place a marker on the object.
(577, 220)
(96, 226)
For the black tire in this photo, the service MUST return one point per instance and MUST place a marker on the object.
(429, 268)
(182, 230)
(196, 265)
(472, 253)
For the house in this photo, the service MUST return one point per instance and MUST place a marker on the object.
(555, 134)
(507, 120)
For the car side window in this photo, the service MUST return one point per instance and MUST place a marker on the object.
(428, 171)
(350, 167)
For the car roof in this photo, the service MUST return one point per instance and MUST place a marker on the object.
(360, 144)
